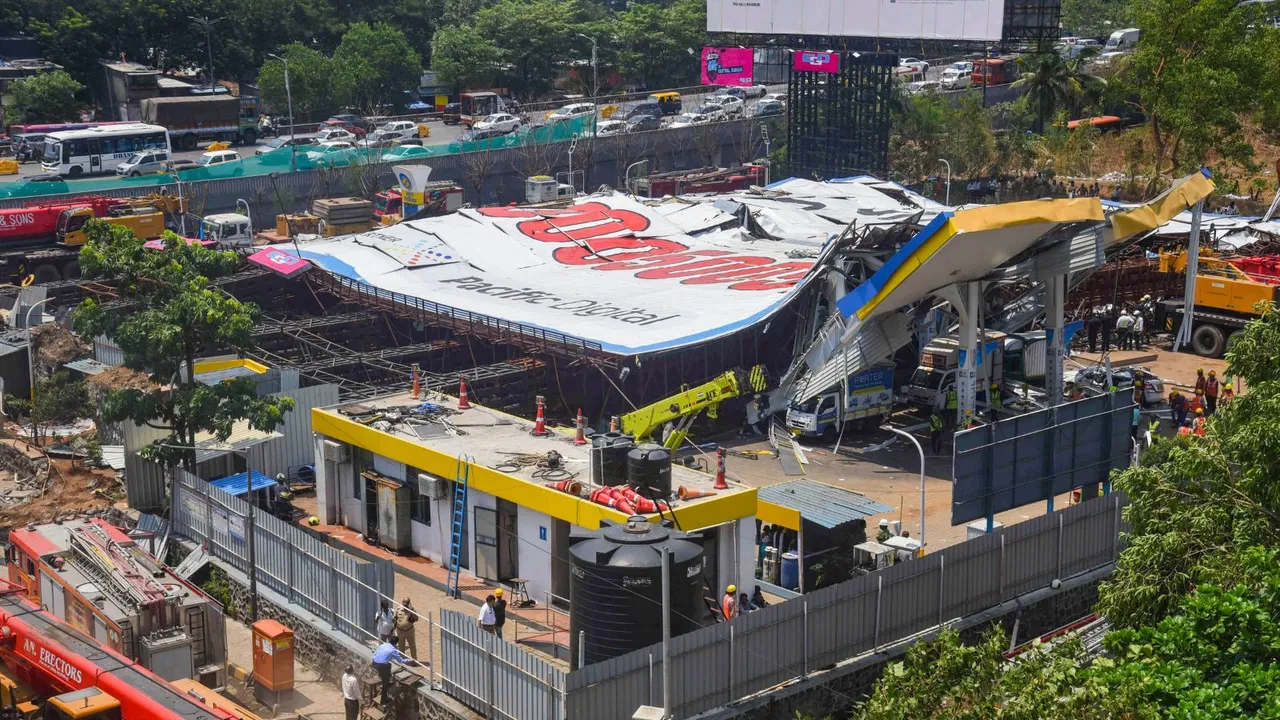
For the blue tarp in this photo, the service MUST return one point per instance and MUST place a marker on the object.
(234, 484)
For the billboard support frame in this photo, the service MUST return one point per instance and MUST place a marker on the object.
(838, 123)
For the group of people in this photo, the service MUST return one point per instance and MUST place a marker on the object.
(733, 603)
(396, 631)
(493, 613)
(1133, 326)
(1189, 414)
(1024, 187)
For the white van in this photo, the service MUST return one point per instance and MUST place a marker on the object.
(1122, 40)
(143, 163)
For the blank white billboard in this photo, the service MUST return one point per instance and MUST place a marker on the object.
(928, 19)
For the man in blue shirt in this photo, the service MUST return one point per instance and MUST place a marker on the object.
(382, 657)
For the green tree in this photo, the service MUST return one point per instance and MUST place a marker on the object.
(462, 57)
(1200, 67)
(652, 42)
(1095, 18)
(59, 400)
(73, 40)
(531, 37)
(47, 97)
(374, 65)
(171, 314)
(1058, 83)
(928, 126)
(310, 81)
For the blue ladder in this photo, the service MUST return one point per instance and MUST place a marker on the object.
(461, 479)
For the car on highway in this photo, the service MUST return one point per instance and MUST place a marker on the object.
(732, 106)
(731, 92)
(478, 135)
(332, 134)
(143, 163)
(302, 142)
(499, 121)
(569, 112)
(1095, 378)
(638, 110)
(405, 152)
(643, 123)
(714, 113)
(956, 79)
(396, 130)
(923, 86)
(916, 64)
(606, 128)
(217, 157)
(963, 66)
(690, 119)
(337, 152)
(775, 97)
(767, 109)
(755, 90)
(339, 122)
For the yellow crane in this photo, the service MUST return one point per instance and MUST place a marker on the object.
(687, 405)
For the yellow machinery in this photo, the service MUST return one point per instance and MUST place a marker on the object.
(1227, 292)
(145, 222)
(685, 407)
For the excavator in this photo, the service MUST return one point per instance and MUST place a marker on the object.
(686, 406)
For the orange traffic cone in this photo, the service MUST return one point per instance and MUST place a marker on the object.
(463, 402)
(581, 438)
(540, 422)
(720, 483)
(687, 494)
(573, 487)
(417, 388)
(613, 424)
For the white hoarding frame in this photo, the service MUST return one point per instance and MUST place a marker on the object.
(977, 20)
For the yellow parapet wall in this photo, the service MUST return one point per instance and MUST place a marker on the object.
(703, 513)
(206, 366)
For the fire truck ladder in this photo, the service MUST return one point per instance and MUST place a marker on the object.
(461, 479)
(115, 570)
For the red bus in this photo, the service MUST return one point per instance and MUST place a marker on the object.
(996, 71)
(59, 127)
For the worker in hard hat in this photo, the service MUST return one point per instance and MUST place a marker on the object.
(1178, 406)
(1197, 426)
(1200, 380)
(952, 402)
(499, 612)
(1211, 388)
(885, 533)
(993, 397)
(1227, 392)
(729, 603)
(936, 424)
(1197, 403)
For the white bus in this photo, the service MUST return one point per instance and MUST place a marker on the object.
(97, 150)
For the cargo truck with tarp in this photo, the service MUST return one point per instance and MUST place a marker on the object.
(193, 119)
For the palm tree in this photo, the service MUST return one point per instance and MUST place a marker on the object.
(1054, 81)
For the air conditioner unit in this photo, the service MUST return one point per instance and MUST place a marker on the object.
(336, 451)
(430, 486)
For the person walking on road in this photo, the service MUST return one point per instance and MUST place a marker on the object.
(487, 619)
(1138, 335)
(935, 432)
(499, 612)
(1200, 380)
(351, 693)
(1197, 426)
(382, 658)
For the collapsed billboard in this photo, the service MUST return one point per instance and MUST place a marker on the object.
(607, 270)
(728, 66)
(926, 19)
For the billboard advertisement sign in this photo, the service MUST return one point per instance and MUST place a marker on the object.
(925, 19)
(810, 61)
(727, 66)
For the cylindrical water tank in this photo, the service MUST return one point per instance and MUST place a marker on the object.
(609, 458)
(649, 471)
(615, 587)
(790, 570)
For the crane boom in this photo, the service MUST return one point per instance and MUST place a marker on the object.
(690, 402)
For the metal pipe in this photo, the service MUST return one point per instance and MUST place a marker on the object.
(919, 450)
(582, 648)
(249, 541)
(1193, 266)
(431, 651)
(800, 556)
(666, 632)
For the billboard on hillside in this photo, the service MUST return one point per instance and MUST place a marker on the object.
(728, 66)
(926, 19)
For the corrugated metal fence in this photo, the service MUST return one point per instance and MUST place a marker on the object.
(326, 582)
(727, 661)
(495, 677)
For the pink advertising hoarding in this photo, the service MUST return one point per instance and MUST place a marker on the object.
(280, 262)
(727, 66)
(812, 61)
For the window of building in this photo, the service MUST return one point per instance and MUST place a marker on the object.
(419, 504)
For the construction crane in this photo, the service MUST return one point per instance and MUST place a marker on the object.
(687, 405)
(80, 678)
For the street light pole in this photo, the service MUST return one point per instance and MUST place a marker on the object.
(920, 450)
(768, 159)
(944, 162)
(595, 82)
(288, 94)
(31, 360)
(207, 24)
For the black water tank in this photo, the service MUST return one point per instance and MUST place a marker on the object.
(609, 458)
(615, 587)
(649, 471)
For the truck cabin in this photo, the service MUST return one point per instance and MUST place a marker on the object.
(387, 202)
(71, 224)
(82, 705)
(227, 228)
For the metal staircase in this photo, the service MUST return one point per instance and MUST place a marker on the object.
(461, 479)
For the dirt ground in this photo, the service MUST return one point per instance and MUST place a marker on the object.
(71, 489)
(120, 377)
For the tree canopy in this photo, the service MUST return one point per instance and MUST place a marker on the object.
(170, 314)
(373, 66)
(310, 81)
(47, 97)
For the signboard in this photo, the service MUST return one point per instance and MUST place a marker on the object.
(925, 19)
(280, 262)
(727, 66)
(1033, 457)
(607, 270)
(810, 61)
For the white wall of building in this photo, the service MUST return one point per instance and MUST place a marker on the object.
(736, 552)
(534, 554)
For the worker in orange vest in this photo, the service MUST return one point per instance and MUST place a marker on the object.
(1200, 380)
(1184, 429)
(729, 603)
(1227, 392)
(1198, 424)
(1197, 403)
(1211, 393)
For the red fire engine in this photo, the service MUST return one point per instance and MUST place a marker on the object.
(703, 180)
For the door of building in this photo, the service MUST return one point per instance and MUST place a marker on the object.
(559, 561)
(508, 540)
(486, 533)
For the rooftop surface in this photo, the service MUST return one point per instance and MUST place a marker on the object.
(502, 451)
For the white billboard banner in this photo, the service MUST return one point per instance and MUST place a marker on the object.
(927, 19)
(608, 270)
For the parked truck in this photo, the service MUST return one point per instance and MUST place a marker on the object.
(42, 241)
(869, 396)
(1227, 292)
(941, 359)
(193, 119)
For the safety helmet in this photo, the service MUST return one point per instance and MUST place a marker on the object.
(1199, 392)
(1213, 373)
(313, 520)
(1227, 386)
(1146, 297)
(884, 522)
(1199, 411)
(731, 589)
(1199, 371)
(497, 593)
